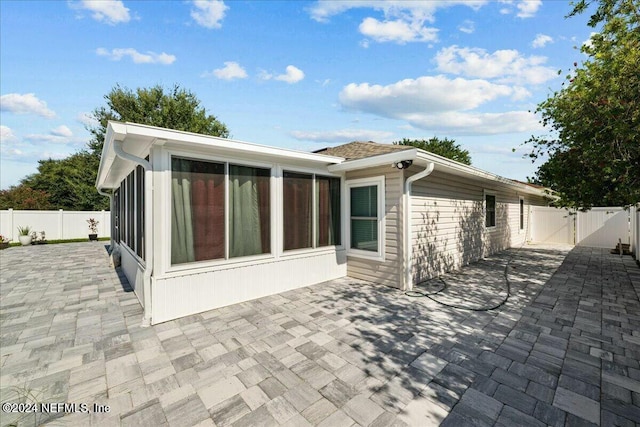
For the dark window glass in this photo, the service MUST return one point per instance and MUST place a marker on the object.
(364, 218)
(327, 211)
(490, 217)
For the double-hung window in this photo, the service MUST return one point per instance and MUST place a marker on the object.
(521, 202)
(489, 210)
(366, 217)
(218, 210)
(311, 210)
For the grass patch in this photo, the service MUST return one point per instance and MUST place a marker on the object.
(55, 242)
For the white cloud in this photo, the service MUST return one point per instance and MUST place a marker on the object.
(528, 8)
(342, 135)
(541, 40)
(62, 131)
(425, 94)
(209, 13)
(87, 119)
(399, 31)
(292, 75)
(437, 103)
(111, 12)
(6, 135)
(509, 66)
(467, 26)
(26, 103)
(462, 123)
(231, 70)
(137, 57)
(404, 21)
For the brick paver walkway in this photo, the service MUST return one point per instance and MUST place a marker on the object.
(563, 350)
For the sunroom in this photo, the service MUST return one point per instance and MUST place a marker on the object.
(203, 222)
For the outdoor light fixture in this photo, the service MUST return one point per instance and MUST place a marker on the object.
(403, 164)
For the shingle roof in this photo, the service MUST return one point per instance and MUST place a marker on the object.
(361, 149)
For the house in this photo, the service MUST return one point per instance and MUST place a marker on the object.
(204, 222)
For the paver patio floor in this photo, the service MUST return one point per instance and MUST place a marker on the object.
(563, 350)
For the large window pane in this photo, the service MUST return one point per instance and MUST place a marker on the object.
(327, 211)
(364, 218)
(197, 216)
(364, 234)
(297, 200)
(364, 201)
(249, 216)
(140, 211)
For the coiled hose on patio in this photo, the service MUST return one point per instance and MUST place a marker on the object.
(418, 294)
(505, 273)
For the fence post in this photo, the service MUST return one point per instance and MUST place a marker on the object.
(60, 224)
(11, 224)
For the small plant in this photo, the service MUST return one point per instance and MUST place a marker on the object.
(93, 225)
(24, 231)
(4, 239)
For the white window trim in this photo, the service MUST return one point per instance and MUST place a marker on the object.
(378, 181)
(484, 210)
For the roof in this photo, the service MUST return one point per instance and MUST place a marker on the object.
(361, 149)
(137, 140)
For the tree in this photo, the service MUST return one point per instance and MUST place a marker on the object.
(24, 197)
(594, 119)
(174, 108)
(70, 182)
(443, 147)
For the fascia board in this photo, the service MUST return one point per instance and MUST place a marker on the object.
(374, 161)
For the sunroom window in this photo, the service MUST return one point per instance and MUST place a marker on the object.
(311, 206)
(198, 210)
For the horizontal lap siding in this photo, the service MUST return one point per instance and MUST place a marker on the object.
(386, 272)
(448, 222)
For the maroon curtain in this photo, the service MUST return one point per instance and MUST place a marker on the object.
(264, 212)
(324, 211)
(207, 193)
(297, 210)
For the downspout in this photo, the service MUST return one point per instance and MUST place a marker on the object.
(110, 196)
(406, 197)
(148, 225)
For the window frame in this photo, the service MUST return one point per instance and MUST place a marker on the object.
(379, 183)
(522, 217)
(314, 215)
(227, 259)
(485, 210)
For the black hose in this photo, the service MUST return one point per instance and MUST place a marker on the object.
(418, 294)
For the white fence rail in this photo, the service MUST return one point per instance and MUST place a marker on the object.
(56, 224)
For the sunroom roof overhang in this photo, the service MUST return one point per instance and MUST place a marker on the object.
(138, 139)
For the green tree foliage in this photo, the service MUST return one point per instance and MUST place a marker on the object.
(174, 108)
(24, 197)
(443, 147)
(70, 182)
(594, 143)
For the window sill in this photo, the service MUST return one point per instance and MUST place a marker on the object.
(372, 256)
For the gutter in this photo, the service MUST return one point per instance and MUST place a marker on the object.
(110, 196)
(406, 198)
(148, 225)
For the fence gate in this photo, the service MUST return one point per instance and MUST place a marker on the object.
(598, 227)
(552, 225)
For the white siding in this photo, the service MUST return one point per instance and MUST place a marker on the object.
(387, 272)
(448, 222)
(191, 293)
(133, 271)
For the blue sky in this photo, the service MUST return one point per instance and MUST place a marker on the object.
(293, 74)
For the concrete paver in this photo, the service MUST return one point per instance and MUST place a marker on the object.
(564, 349)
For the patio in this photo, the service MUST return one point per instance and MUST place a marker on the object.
(563, 349)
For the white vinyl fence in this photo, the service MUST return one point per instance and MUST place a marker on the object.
(56, 224)
(600, 227)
